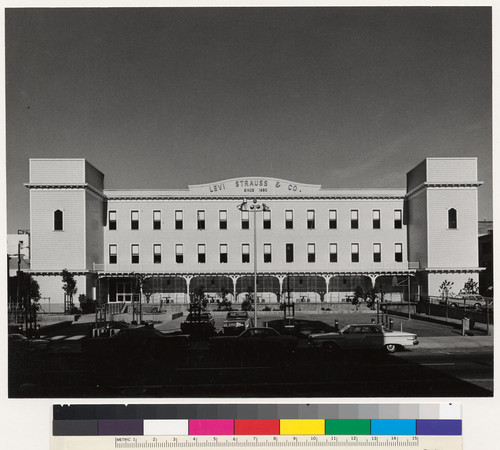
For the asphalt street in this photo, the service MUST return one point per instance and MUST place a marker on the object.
(444, 364)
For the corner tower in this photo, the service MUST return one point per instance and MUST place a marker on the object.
(442, 221)
(67, 219)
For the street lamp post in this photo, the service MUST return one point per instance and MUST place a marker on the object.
(402, 283)
(254, 207)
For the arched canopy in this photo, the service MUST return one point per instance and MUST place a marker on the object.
(264, 284)
(169, 284)
(211, 283)
(304, 283)
(348, 283)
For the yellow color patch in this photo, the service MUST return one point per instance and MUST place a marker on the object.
(302, 426)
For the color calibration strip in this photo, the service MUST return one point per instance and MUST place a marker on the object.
(166, 420)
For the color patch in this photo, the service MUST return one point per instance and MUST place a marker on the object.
(393, 427)
(120, 428)
(205, 427)
(439, 427)
(297, 426)
(74, 428)
(347, 426)
(166, 427)
(257, 427)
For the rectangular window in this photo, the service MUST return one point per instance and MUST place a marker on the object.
(156, 253)
(223, 253)
(266, 224)
(310, 219)
(311, 253)
(245, 220)
(112, 220)
(135, 253)
(354, 219)
(134, 220)
(222, 220)
(179, 254)
(398, 252)
(245, 253)
(333, 253)
(202, 256)
(333, 218)
(267, 253)
(156, 220)
(289, 253)
(289, 219)
(58, 220)
(398, 218)
(377, 253)
(201, 220)
(376, 219)
(112, 253)
(354, 253)
(178, 220)
(452, 219)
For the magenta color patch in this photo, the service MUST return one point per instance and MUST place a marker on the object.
(211, 426)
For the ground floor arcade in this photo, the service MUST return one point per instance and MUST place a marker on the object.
(118, 288)
(271, 288)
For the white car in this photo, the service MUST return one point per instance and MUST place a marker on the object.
(475, 301)
(363, 336)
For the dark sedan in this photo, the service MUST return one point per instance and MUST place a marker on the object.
(199, 324)
(19, 342)
(236, 322)
(255, 340)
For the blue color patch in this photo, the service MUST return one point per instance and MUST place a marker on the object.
(394, 426)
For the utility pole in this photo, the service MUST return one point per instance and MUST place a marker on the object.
(18, 296)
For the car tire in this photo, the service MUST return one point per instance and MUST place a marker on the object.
(330, 347)
(477, 306)
(390, 348)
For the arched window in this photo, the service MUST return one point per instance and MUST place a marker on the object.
(452, 218)
(58, 220)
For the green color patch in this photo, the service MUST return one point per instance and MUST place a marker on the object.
(347, 426)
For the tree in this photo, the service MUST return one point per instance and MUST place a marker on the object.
(248, 303)
(198, 298)
(69, 286)
(225, 304)
(445, 289)
(29, 289)
(371, 296)
(148, 288)
(358, 293)
(470, 287)
(87, 305)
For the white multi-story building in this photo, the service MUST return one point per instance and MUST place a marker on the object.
(317, 243)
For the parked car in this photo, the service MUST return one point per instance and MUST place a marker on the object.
(18, 341)
(236, 322)
(363, 336)
(475, 301)
(199, 324)
(141, 340)
(255, 339)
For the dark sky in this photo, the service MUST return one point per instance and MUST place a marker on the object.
(166, 97)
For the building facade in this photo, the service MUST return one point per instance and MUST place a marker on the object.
(312, 243)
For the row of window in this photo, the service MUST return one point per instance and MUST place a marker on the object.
(245, 223)
(245, 219)
(245, 253)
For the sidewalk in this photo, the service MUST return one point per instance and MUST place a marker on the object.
(442, 342)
